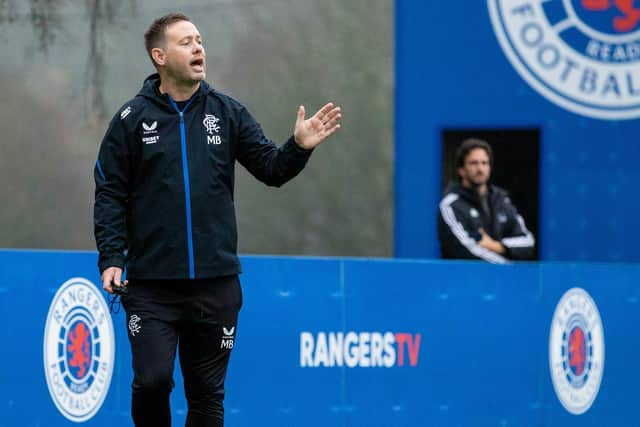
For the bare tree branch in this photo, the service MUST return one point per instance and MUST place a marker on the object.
(8, 11)
(95, 75)
(45, 19)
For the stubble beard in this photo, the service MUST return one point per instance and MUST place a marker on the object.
(479, 181)
(184, 77)
(475, 182)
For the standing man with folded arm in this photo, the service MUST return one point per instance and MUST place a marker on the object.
(164, 211)
(477, 220)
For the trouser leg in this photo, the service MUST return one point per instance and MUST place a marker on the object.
(153, 336)
(205, 347)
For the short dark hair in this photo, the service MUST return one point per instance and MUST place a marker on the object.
(467, 146)
(154, 36)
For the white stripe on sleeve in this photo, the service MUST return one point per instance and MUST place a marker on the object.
(521, 241)
(461, 234)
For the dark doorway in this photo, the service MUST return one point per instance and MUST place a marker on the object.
(516, 153)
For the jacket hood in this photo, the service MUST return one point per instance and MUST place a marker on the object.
(150, 90)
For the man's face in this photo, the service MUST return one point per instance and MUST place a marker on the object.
(476, 170)
(185, 59)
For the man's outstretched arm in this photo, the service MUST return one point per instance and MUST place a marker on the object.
(276, 165)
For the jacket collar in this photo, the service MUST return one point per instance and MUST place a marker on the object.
(470, 194)
(150, 90)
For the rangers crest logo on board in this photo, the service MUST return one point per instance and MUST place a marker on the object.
(79, 349)
(576, 351)
(583, 55)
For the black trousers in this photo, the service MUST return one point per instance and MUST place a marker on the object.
(199, 319)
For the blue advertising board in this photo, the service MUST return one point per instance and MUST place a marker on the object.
(347, 342)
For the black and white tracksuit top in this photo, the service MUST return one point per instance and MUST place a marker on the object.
(164, 183)
(461, 217)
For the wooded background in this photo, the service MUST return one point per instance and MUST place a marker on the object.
(67, 66)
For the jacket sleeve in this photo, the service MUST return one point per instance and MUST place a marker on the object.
(111, 175)
(519, 242)
(456, 240)
(262, 158)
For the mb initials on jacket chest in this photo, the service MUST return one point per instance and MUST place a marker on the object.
(212, 127)
(214, 139)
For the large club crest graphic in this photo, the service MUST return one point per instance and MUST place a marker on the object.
(79, 349)
(576, 351)
(583, 55)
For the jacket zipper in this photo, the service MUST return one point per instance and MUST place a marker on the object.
(187, 186)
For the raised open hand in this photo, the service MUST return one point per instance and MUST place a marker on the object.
(313, 131)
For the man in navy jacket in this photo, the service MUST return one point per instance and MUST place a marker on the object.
(164, 210)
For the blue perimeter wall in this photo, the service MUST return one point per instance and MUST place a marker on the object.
(452, 73)
(482, 358)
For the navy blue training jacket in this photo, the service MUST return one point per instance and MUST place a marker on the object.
(164, 183)
(461, 218)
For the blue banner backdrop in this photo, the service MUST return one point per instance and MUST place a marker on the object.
(357, 342)
(452, 73)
